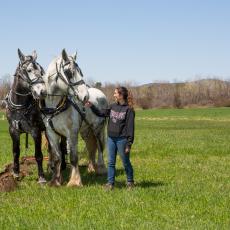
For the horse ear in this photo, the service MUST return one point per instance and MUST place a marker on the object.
(64, 55)
(34, 55)
(21, 55)
(75, 56)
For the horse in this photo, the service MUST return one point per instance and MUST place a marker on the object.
(22, 111)
(62, 109)
(93, 131)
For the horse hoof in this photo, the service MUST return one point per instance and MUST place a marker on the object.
(74, 184)
(15, 175)
(101, 170)
(91, 169)
(54, 184)
(41, 180)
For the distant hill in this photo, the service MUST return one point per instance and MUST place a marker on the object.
(202, 81)
(205, 92)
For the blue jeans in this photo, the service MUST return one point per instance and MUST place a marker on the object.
(118, 144)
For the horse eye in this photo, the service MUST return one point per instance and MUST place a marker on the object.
(29, 70)
(68, 73)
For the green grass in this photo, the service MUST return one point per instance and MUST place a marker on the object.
(182, 170)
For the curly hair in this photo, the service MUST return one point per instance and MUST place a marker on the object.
(127, 95)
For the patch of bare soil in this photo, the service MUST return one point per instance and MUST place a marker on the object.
(7, 182)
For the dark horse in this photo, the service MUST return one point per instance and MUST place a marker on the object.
(22, 110)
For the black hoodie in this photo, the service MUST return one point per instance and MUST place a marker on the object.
(121, 120)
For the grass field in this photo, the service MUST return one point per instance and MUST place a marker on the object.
(181, 160)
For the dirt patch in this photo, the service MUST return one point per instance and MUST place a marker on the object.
(7, 182)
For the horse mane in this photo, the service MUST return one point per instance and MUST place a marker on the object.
(52, 66)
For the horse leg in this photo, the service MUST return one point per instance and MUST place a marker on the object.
(15, 136)
(56, 158)
(91, 146)
(50, 164)
(36, 134)
(75, 178)
(101, 168)
(63, 146)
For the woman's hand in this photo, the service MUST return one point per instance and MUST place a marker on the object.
(88, 104)
(127, 149)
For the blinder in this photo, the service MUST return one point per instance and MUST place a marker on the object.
(24, 72)
(69, 74)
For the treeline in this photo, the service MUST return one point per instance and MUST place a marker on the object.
(209, 92)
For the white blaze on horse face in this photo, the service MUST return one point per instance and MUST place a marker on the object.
(57, 86)
(38, 89)
(82, 93)
(73, 78)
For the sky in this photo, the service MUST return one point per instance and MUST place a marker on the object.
(122, 40)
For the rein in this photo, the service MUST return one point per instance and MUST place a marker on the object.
(21, 73)
(65, 79)
(12, 105)
(35, 81)
(21, 94)
(26, 108)
(66, 100)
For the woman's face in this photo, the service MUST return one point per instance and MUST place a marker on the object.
(118, 97)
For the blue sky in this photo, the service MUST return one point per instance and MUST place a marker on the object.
(138, 41)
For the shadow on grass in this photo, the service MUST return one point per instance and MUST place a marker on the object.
(140, 184)
(147, 184)
(89, 179)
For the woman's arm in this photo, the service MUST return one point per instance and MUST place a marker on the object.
(100, 112)
(130, 127)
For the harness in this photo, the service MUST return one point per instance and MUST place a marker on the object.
(23, 74)
(71, 85)
(66, 100)
(26, 107)
(62, 106)
(66, 80)
(13, 106)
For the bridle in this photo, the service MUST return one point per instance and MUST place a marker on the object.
(68, 74)
(23, 74)
(66, 100)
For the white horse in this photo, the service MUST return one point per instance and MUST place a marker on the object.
(93, 131)
(64, 78)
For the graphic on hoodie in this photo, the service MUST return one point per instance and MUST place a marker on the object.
(115, 116)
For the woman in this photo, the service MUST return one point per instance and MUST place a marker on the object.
(120, 133)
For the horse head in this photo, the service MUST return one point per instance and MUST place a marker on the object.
(64, 75)
(30, 74)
